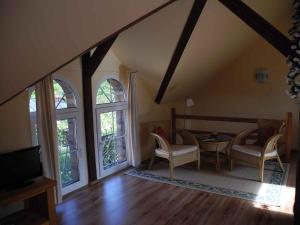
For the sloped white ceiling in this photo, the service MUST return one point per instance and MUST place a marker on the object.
(219, 37)
(39, 36)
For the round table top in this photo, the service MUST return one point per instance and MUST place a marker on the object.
(213, 138)
(214, 142)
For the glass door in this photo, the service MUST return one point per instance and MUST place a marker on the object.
(71, 157)
(69, 153)
(112, 143)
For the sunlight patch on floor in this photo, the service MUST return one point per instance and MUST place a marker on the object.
(287, 200)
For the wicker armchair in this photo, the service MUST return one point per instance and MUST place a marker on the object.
(254, 154)
(177, 154)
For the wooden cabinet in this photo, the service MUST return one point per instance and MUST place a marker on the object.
(39, 206)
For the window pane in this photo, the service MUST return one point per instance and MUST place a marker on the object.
(112, 124)
(114, 152)
(112, 134)
(34, 129)
(67, 147)
(32, 102)
(110, 91)
(33, 118)
(63, 95)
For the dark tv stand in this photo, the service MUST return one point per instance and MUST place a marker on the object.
(19, 185)
(38, 197)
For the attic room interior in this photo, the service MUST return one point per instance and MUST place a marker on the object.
(149, 112)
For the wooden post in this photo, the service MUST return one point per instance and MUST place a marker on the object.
(173, 125)
(88, 116)
(297, 197)
(288, 136)
(89, 64)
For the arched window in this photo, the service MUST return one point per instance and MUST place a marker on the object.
(68, 136)
(63, 95)
(111, 113)
(71, 159)
(110, 91)
(32, 101)
(33, 116)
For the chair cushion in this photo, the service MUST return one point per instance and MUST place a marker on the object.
(253, 150)
(161, 132)
(266, 129)
(264, 134)
(177, 150)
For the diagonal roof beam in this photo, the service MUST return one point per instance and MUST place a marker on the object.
(260, 25)
(182, 42)
(100, 53)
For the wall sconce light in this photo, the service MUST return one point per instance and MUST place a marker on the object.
(261, 75)
(189, 102)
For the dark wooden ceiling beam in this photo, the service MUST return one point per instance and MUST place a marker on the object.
(182, 42)
(259, 24)
(88, 116)
(89, 64)
(100, 53)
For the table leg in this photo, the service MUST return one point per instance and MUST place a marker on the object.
(218, 161)
(228, 156)
(51, 206)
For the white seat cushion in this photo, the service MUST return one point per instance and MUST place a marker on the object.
(253, 150)
(176, 150)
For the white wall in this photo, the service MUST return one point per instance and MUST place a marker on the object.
(43, 35)
(15, 130)
(234, 92)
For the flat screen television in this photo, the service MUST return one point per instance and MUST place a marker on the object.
(18, 168)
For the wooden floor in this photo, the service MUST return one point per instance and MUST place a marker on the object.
(122, 199)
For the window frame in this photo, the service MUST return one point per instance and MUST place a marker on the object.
(77, 113)
(104, 78)
(103, 108)
(33, 117)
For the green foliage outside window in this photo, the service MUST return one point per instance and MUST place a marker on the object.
(67, 152)
(110, 91)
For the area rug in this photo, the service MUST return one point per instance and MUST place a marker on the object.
(241, 182)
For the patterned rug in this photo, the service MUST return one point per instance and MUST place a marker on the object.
(241, 182)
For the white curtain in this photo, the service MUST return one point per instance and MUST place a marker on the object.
(134, 157)
(46, 121)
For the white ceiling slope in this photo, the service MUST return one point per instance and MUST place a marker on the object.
(36, 37)
(219, 38)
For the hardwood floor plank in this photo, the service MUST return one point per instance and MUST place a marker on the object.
(123, 199)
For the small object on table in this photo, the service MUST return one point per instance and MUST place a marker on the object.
(215, 143)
